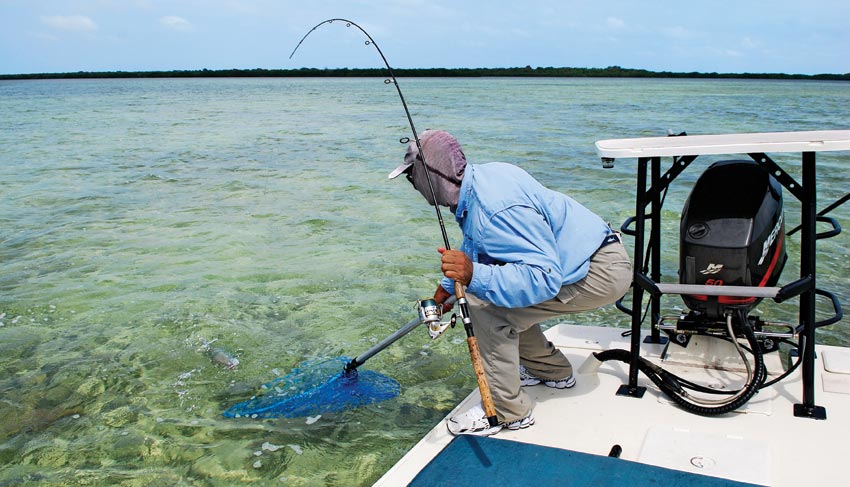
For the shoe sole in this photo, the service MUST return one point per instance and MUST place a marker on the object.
(567, 384)
(482, 432)
(521, 425)
(493, 429)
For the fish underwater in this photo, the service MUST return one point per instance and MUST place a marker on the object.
(219, 356)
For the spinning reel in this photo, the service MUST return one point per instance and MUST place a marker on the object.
(430, 313)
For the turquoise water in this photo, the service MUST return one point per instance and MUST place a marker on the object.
(145, 222)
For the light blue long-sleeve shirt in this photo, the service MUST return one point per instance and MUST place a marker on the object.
(525, 241)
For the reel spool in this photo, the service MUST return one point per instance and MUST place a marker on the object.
(430, 313)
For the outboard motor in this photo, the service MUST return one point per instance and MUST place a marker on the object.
(732, 233)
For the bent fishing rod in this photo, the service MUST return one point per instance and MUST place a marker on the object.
(472, 341)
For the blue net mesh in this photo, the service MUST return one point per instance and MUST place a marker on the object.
(316, 388)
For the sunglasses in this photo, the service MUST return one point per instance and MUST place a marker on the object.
(408, 173)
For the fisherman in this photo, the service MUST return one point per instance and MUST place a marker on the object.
(529, 254)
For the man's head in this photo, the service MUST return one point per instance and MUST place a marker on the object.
(446, 164)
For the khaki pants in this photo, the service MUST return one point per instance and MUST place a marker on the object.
(508, 337)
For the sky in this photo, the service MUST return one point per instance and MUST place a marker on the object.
(737, 36)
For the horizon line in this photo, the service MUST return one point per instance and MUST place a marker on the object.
(610, 71)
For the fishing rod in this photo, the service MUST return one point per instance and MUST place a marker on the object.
(472, 341)
(394, 81)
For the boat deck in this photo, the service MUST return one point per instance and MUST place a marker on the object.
(762, 443)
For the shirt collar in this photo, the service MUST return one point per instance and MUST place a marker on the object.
(465, 192)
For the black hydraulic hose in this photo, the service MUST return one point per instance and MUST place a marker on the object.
(665, 381)
(779, 378)
(672, 387)
(790, 369)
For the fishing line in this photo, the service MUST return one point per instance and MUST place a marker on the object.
(392, 79)
(472, 341)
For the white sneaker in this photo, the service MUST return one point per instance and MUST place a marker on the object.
(521, 423)
(474, 422)
(526, 379)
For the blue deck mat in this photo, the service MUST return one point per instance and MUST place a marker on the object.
(488, 462)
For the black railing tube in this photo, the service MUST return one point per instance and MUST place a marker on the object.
(808, 255)
(632, 389)
(655, 250)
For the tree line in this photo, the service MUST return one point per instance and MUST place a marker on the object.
(527, 71)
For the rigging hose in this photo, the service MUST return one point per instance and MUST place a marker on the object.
(672, 386)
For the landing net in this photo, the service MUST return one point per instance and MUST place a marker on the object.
(317, 388)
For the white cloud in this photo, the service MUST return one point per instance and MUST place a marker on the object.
(75, 23)
(615, 23)
(44, 36)
(678, 32)
(748, 43)
(176, 23)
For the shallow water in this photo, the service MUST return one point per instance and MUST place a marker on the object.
(143, 220)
